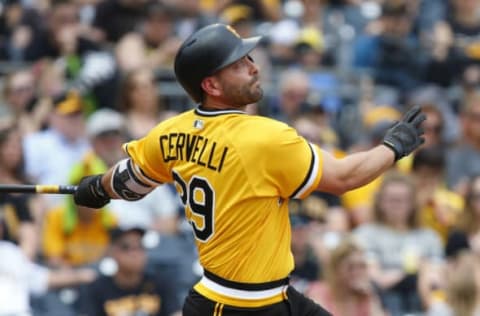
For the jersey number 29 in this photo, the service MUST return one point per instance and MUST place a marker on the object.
(199, 196)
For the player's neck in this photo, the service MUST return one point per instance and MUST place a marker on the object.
(213, 104)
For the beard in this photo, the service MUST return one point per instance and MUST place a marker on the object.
(248, 93)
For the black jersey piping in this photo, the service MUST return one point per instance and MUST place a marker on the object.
(213, 112)
(305, 181)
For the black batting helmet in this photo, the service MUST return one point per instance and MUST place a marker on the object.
(206, 51)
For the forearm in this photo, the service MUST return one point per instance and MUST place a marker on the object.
(28, 239)
(355, 170)
(361, 168)
(106, 183)
(70, 277)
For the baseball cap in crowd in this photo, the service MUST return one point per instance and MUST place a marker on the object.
(380, 113)
(117, 232)
(310, 38)
(68, 103)
(104, 121)
(236, 13)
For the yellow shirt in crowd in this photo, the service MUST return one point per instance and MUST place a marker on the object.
(85, 243)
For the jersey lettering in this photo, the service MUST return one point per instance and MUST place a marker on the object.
(193, 148)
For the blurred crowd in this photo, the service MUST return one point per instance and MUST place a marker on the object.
(78, 78)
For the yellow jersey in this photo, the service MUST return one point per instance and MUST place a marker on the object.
(235, 174)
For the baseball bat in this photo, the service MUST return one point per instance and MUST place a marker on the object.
(37, 188)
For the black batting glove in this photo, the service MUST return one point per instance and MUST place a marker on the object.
(406, 135)
(90, 192)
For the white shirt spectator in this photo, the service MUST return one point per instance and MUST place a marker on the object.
(49, 158)
(160, 203)
(19, 278)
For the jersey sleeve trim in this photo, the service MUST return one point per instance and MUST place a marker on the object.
(139, 173)
(311, 179)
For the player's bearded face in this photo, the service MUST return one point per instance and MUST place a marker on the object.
(243, 93)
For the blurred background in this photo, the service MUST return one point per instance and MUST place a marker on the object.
(80, 77)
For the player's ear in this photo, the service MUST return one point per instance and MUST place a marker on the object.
(211, 86)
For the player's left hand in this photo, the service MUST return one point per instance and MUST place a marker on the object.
(90, 192)
(407, 134)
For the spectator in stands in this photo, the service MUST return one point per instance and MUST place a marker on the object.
(347, 289)
(172, 252)
(18, 23)
(466, 234)
(307, 265)
(433, 125)
(189, 16)
(84, 64)
(140, 102)
(392, 54)
(61, 35)
(22, 278)
(74, 235)
(336, 227)
(294, 88)
(314, 124)
(322, 23)
(130, 290)
(26, 100)
(317, 225)
(309, 47)
(115, 18)
(22, 102)
(153, 44)
(396, 245)
(281, 46)
(438, 206)
(18, 211)
(456, 44)
(453, 290)
(468, 85)
(51, 153)
(463, 160)
(107, 131)
(19, 92)
(51, 81)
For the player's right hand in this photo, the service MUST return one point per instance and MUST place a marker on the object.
(90, 192)
(407, 134)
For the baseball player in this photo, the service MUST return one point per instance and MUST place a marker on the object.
(235, 174)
